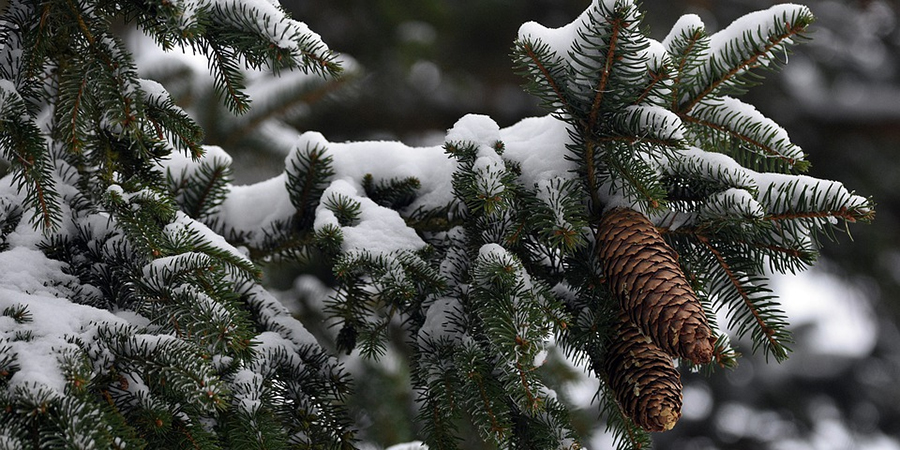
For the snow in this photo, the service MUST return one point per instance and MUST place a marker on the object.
(7, 86)
(9, 95)
(745, 119)
(492, 252)
(28, 278)
(489, 170)
(709, 165)
(475, 128)
(270, 340)
(656, 54)
(549, 192)
(379, 230)
(251, 208)
(179, 165)
(271, 22)
(246, 387)
(160, 269)
(733, 202)
(184, 223)
(560, 40)
(684, 26)
(539, 359)
(761, 24)
(277, 318)
(654, 122)
(538, 144)
(796, 191)
(385, 160)
(154, 92)
(438, 320)
(115, 189)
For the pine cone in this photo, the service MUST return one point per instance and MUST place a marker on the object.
(643, 273)
(645, 382)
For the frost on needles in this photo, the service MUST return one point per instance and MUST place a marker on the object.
(132, 312)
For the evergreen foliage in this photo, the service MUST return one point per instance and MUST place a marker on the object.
(648, 198)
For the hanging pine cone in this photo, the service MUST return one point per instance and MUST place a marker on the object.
(643, 273)
(643, 378)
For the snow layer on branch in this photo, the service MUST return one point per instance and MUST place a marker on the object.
(476, 128)
(30, 279)
(708, 165)
(270, 20)
(782, 193)
(177, 163)
(160, 269)
(654, 122)
(655, 55)
(733, 202)
(247, 390)
(379, 230)
(761, 25)
(438, 320)
(746, 120)
(683, 27)
(351, 161)
(184, 223)
(276, 317)
(775, 193)
(538, 144)
(254, 207)
(495, 253)
(10, 96)
(154, 93)
(560, 39)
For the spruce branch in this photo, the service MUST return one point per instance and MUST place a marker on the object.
(545, 70)
(22, 143)
(437, 385)
(688, 46)
(617, 23)
(395, 193)
(170, 121)
(310, 167)
(629, 172)
(731, 67)
(229, 84)
(802, 206)
(760, 311)
(483, 396)
(657, 79)
(200, 188)
(751, 131)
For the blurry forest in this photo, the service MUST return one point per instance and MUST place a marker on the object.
(421, 65)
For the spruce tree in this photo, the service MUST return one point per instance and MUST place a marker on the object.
(610, 230)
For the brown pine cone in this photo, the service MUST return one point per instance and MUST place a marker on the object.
(643, 378)
(643, 273)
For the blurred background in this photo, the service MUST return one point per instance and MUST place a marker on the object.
(418, 66)
(424, 64)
